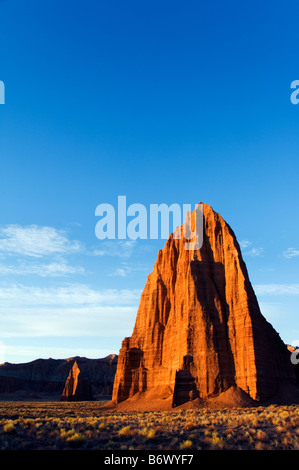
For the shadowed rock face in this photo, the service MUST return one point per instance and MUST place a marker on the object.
(199, 329)
(76, 388)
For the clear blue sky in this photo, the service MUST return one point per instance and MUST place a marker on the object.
(161, 101)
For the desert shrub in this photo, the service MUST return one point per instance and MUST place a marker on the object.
(28, 421)
(260, 446)
(143, 432)
(216, 440)
(189, 425)
(66, 434)
(186, 444)
(92, 422)
(125, 431)
(283, 414)
(148, 433)
(76, 439)
(261, 435)
(151, 434)
(9, 427)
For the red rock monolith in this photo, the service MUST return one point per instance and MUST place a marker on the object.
(199, 330)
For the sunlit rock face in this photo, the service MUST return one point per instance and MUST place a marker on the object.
(199, 329)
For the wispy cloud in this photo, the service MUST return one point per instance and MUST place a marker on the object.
(56, 269)
(72, 310)
(122, 249)
(254, 252)
(290, 253)
(245, 243)
(36, 241)
(276, 289)
(121, 272)
(71, 294)
(126, 269)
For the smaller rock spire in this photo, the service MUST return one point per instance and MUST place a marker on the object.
(77, 387)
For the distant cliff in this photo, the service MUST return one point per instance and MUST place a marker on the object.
(45, 378)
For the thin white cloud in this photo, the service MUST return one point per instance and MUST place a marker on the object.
(36, 241)
(276, 289)
(121, 272)
(290, 253)
(67, 321)
(122, 249)
(72, 295)
(56, 269)
(125, 270)
(255, 252)
(73, 310)
(245, 243)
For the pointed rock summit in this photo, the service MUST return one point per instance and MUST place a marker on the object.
(199, 331)
(77, 387)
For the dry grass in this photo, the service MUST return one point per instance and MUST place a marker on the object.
(55, 425)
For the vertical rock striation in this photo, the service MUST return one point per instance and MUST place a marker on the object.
(199, 329)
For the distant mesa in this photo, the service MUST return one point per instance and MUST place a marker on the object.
(77, 387)
(199, 335)
(44, 379)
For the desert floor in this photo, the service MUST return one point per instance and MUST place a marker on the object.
(87, 425)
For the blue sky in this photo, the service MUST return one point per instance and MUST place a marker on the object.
(164, 102)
